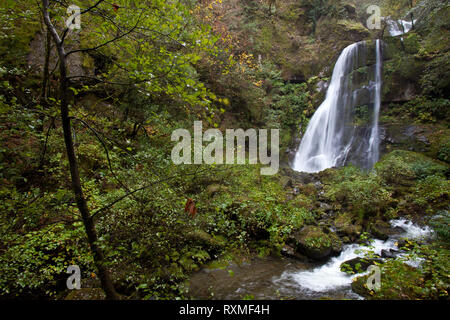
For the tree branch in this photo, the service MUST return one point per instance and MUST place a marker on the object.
(107, 42)
(110, 205)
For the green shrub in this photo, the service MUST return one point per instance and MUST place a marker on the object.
(444, 151)
(402, 167)
(402, 281)
(360, 192)
(433, 190)
(37, 263)
(394, 170)
(441, 225)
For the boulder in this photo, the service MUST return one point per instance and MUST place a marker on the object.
(359, 286)
(389, 253)
(382, 230)
(346, 227)
(201, 238)
(358, 265)
(290, 252)
(86, 294)
(325, 207)
(212, 189)
(313, 242)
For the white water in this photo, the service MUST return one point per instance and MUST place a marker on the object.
(399, 27)
(329, 277)
(329, 136)
(374, 143)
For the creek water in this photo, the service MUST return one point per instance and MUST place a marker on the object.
(276, 278)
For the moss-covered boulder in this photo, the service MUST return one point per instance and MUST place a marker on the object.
(203, 239)
(399, 281)
(215, 188)
(359, 286)
(346, 226)
(358, 265)
(383, 230)
(315, 243)
(380, 230)
(86, 294)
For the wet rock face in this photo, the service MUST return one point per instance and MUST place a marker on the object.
(389, 253)
(392, 136)
(407, 137)
(402, 72)
(400, 90)
(382, 230)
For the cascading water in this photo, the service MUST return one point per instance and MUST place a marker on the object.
(269, 277)
(329, 279)
(399, 27)
(330, 138)
(374, 143)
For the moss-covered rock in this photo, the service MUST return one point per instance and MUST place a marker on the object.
(359, 286)
(203, 239)
(86, 294)
(213, 189)
(380, 230)
(313, 242)
(347, 226)
(402, 167)
(358, 265)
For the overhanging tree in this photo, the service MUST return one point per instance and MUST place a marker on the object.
(154, 46)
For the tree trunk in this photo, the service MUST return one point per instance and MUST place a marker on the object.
(45, 79)
(99, 259)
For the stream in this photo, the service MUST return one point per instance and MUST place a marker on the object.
(285, 278)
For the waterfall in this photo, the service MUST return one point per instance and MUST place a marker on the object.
(374, 143)
(394, 27)
(332, 138)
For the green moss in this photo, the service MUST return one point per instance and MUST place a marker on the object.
(401, 281)
(412, 43)
(358, 192)
(401, 167)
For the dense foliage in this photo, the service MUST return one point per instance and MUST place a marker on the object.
(141, 69)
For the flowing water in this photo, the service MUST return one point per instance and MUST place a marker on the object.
(274, 278)
(328, 280)
(330, 137)
(399, 27)
(330, 140)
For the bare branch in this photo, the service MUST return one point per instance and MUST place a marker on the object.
(92, 7)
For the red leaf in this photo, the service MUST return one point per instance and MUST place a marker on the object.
(190, 208)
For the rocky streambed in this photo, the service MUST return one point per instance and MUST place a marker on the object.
(298, 276)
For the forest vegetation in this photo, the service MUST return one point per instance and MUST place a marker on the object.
(86, 117)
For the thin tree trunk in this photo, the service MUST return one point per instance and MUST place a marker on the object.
(44, 93)
(46, 72)
(99, 259)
